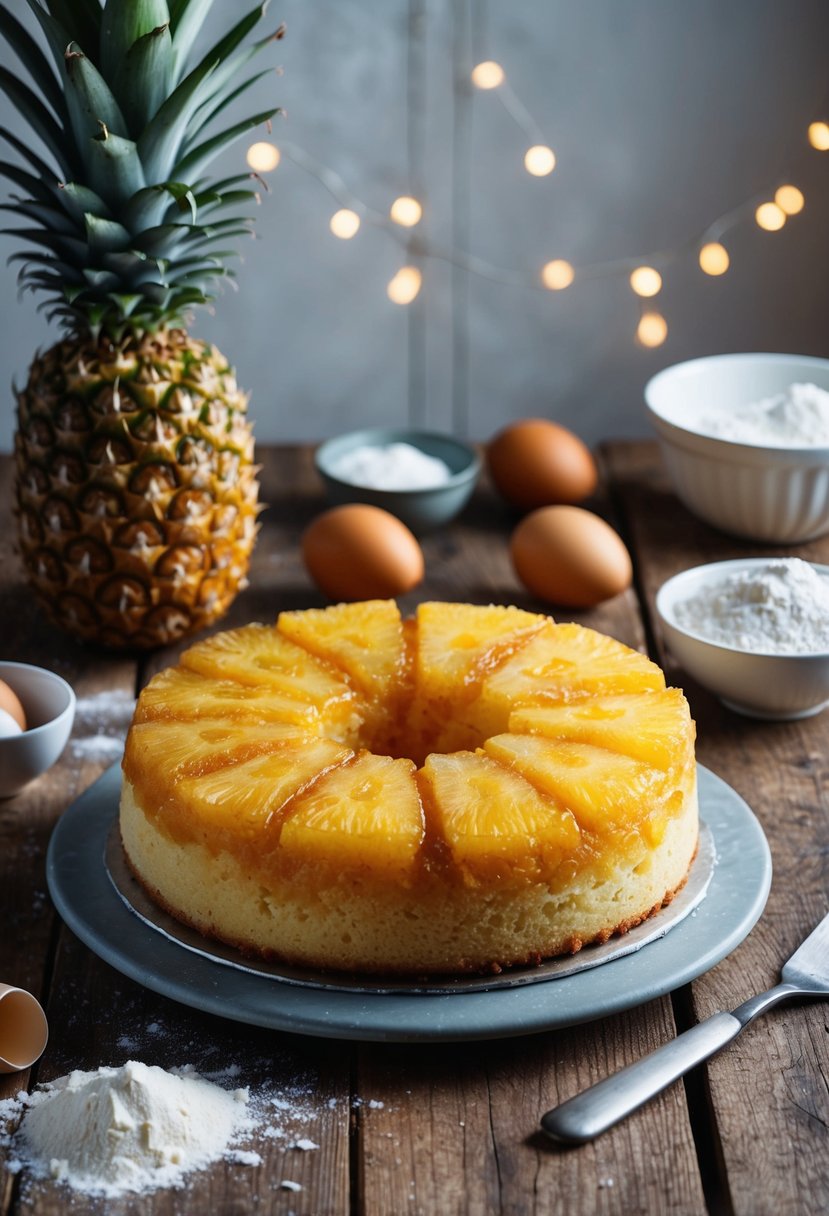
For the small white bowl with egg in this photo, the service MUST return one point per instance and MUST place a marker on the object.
(745, 439)
(422, 477)
(37, 709)
(754, 631)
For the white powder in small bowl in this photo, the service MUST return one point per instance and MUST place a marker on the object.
(779, 608)
(391, 466)
(130, 1129)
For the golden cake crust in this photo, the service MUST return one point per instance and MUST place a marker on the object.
(550, 801)
(436, 929)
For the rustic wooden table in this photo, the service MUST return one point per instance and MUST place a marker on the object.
(453, 1128)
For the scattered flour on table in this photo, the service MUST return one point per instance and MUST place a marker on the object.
(780, 608)
(129, 1129)
(101, 724)
(798, 417)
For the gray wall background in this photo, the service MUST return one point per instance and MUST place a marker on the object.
(663, 115)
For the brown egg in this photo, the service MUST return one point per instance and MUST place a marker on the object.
(359, 552)
(536, 463)
(10, 702)
(570, 556)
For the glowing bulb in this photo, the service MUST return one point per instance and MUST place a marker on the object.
(405, 285)
(652, 329)
(406, 211)
(487, 75)
(557, 275)
(714, 259)
(263, 157)
(646, 281)
(819, 136)
(344, 224)
(790, 199)
(770, 217)
(539, 160)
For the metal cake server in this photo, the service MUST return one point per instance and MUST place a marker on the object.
(606, 1103)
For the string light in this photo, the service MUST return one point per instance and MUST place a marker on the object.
(770, 217)
(406, 211)
(819, 136)
(263, 157)
(652, 329)
(405, 285)
(714, 259)
(345, 223)
(557, 275)
(539, 160)
(487, 75)
(790, 200)
(646, 281)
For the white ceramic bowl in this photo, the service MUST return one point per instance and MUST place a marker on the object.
(49, 705)
(774, 686)
(772, 494)
(421, 510)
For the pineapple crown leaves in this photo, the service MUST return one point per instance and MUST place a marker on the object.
(119, 214)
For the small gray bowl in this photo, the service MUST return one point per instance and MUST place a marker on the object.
(49, 705)
(421, 510)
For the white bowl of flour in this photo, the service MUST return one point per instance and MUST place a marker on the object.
(755, 631)
(745, 439)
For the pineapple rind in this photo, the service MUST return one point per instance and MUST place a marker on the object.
(136, 523)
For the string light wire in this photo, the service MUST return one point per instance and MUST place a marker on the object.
(770, 209)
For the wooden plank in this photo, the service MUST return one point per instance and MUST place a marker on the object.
(458, 1131)
(768, 1090)
(299, 1091)
(29, 923)
(98, 1017)
(454, 1129)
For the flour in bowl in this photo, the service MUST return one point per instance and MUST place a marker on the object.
(392, 466)
(798, 417)
(780, 608)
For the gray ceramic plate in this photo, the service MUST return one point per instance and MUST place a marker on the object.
(86, 898)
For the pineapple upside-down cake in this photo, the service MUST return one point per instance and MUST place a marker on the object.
(473, 788)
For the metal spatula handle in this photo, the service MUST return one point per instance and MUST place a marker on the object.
(607, 1102)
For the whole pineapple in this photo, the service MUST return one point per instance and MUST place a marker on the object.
(136, 488)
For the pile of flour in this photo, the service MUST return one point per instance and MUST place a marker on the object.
(130, 1129)
(779, 608)
(393, 466)
(798, 417)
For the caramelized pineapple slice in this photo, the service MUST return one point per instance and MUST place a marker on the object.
(493, 819)
(603, 789)
(458, 643)
(245, 799)
(655, 727)
(259, 655)
(367, 813)
(193, 748)
(365, 639)
(560, 664)
(180, 695)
